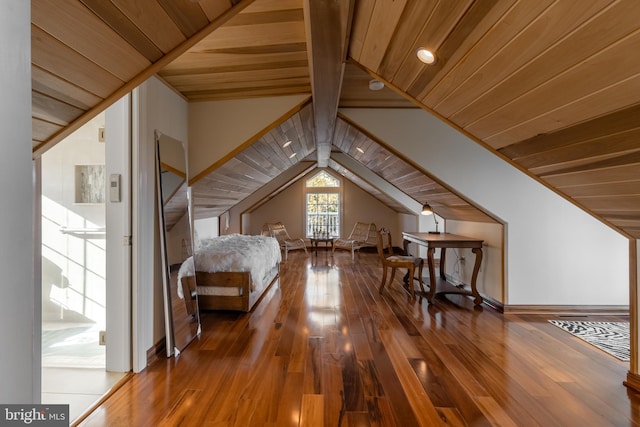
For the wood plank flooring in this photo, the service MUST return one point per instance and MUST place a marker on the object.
(324, 348)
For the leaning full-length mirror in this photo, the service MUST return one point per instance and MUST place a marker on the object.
(182, 319)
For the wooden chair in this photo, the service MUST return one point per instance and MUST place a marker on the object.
(279, 232)
(389, 260)
(362, 234)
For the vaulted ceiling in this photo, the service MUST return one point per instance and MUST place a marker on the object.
(552, 87)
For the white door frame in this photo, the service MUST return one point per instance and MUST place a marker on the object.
(118, 238)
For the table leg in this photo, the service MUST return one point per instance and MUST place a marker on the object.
(405, 246)
(432, 275)
(443, 253)
(476, 268)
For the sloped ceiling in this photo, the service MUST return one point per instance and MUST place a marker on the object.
(551, 86)
(254, 166)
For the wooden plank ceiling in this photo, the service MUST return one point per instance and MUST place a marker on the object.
(551, 86)
(255, 165)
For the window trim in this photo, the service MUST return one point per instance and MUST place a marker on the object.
(307, 190)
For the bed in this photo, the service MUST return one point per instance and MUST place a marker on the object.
(232, 272)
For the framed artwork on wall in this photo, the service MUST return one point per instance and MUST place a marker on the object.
(90, 184)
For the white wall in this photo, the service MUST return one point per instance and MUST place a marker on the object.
(19, 307)
(156, 108)
(410, 223)
(288, 207)
(118, 221)
(556, 254)
(490, 277)
(206, 228)
(360, 206)
(79, 259)
(216, 128)
(59, 181)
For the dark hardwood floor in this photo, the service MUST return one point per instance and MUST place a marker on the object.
(324, 348)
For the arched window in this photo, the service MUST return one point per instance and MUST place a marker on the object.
(323, 205)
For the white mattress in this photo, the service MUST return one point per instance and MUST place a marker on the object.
(234, 252)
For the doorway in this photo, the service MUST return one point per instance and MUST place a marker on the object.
(74, 236)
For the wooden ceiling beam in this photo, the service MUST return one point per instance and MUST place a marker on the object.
(327, 26)
(377, 182)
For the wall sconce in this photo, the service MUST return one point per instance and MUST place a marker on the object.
(426, 210)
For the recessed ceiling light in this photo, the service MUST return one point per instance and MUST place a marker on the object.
(292, 155)
(375, 84)
(286, 144)
(426, 56)
(360, 150)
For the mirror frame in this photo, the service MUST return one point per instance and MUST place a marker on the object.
(174, 344)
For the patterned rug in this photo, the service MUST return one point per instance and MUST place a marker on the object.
(612, 337)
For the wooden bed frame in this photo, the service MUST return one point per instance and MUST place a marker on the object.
(226, 279)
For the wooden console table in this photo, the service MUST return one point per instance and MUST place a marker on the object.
(444, 241)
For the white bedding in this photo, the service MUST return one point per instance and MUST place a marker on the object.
(234, 252)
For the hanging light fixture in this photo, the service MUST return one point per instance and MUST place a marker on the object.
(427, 210)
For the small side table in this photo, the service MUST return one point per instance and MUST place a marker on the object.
(328, 243)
